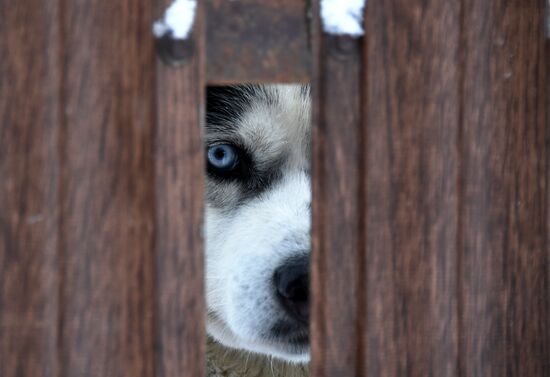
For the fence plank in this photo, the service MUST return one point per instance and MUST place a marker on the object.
(181, 339)
(454, 278)
(505, 319)
(412, 109)
(106, 228)
(257, 41)
(338, 252)
(398, 151)
(430, 166)
(29, 131)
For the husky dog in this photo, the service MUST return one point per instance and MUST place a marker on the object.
(258, 219)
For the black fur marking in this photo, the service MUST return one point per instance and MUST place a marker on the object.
(224, 107)
(252, 180)
(226, 104)
(294, 336)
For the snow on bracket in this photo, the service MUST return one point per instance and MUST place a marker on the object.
(177, 21)
(343, 17)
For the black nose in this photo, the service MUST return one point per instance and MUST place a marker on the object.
(291, 281)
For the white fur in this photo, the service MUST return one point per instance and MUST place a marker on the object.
(248, 237)
(243, 250)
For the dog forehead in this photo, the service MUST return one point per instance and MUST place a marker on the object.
(277, 123)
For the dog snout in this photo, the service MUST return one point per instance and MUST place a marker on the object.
(291, 281)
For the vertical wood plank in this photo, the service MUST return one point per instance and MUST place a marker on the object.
(107, 189)
(457, 202)
(505, 319)
(411, 179)
(337, 243)
(180, 307)
(29, 131)
(401, 154)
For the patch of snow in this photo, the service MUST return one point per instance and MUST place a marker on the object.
(343, 17)
(177, 21)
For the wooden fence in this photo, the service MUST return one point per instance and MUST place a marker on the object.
(431, 160)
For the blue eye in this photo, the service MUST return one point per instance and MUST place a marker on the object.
(223, 156)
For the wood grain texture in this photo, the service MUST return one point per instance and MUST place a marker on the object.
(448, 274)
(179, 180)
(257, 41)
(107, 209)
(505, 318)
(29, 181)
(83, 188)
(430, 176)
(412, 162)
(337, 244)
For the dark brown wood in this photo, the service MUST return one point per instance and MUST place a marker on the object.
(505, 287)
(412, 163)
(448, 273)
(83, 188)
(431, 163)
(107, 191)
(338, 247)
(29, 177)
(180, 326)
(257, 41)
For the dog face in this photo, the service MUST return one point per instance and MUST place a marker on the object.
(258, 218)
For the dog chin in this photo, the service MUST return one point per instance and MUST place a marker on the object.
(291, 350)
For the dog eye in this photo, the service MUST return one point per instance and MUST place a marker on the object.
(223, 157)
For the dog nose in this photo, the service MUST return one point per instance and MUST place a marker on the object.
(291, 281)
